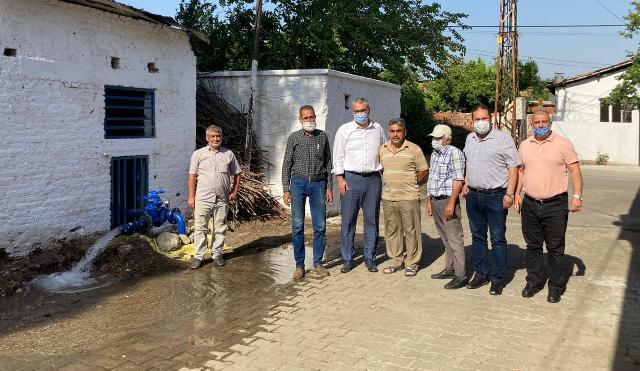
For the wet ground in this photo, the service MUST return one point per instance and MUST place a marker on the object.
(249, 315)
(149, 296)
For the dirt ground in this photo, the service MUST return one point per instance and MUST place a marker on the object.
(126, 256)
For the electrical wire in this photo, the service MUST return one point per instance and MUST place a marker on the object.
(609, 10)
(543, 58)
(545, 26)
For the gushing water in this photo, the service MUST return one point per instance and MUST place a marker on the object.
(79, 277)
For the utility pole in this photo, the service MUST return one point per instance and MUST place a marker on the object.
(507, 69)
(254, 83)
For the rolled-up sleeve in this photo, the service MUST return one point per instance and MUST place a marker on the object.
(338, 152)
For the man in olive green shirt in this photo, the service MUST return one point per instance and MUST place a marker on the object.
(404, 167)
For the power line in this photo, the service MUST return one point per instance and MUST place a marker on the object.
(545, 62)
(536, 57)
(545, 26)
(609, 10)
(548, 33)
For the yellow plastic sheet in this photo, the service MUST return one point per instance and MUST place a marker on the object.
(185, 253)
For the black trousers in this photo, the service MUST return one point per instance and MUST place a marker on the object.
(545, 223)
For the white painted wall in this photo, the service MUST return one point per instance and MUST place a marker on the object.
(282, 92)
(578, 119)
(55, 161)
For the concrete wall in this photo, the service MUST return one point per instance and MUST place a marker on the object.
(55, 161)
(282, 92)
(578, 118)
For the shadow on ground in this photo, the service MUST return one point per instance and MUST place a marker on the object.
(628, 347)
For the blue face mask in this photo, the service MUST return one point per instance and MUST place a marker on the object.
(541, 132)
(361, 117)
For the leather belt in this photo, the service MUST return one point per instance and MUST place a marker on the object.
(363, 174)
(441, 197)
(491, 190)
(316, 178)
(543, 201)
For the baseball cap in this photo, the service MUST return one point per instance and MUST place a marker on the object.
(440, 130)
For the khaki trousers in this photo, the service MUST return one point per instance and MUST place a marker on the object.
(203, 211)
(403, 228)
(451, 235)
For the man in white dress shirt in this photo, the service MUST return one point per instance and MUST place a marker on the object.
(357, 167)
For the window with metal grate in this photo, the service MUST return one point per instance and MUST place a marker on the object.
(129, 112)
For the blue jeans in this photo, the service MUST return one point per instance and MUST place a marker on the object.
(301, 189)
(485, 211)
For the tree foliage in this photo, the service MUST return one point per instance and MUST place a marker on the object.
(463, 85)
(626, 92)
(363, 37)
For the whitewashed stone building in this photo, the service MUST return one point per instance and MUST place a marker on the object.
(593, 126)
(97, 105)
(280, 93)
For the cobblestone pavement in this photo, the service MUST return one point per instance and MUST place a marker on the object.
(363, 320)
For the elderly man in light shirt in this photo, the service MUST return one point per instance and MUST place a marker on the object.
(210, 191)
(356, 165)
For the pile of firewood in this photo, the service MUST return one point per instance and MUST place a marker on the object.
(254, 200)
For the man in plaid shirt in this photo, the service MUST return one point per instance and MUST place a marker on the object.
(444, 185)
(306, 173)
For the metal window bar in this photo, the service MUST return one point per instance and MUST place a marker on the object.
(129, 185)
(129, 112)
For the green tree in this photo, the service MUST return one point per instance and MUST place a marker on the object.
(461, 86)
(626, 92)
(530, 83)
(363, 37)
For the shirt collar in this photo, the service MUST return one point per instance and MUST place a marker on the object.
(388, 145)
(356, 126)
(551, 137)
(490, 135)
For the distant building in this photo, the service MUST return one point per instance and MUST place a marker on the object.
(593, 126)
(282, 92)
(97, 105)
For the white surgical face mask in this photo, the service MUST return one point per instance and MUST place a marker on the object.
(309, 125)
(482, 126)
(437, 144)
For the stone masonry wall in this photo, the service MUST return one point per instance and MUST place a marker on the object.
(55, 162)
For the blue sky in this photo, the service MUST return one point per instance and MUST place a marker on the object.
(567, 50)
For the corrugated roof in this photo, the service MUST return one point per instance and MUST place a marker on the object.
(131, 12)
(599, 72)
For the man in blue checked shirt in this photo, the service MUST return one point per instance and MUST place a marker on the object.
(306, 174)
(446, 177)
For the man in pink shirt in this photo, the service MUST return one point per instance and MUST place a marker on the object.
(547, 161)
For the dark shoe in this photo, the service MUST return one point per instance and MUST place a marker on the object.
(347, 266)
(553, 297)
(298, 273)
(445, 274)
(219, 261)
(457, 283)
(196, 263)
(496, 288)
(530, 290)
(321, 271)
(371, 265)
(477, 282)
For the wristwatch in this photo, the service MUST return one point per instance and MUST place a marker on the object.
(577, 197)
(509, 195)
